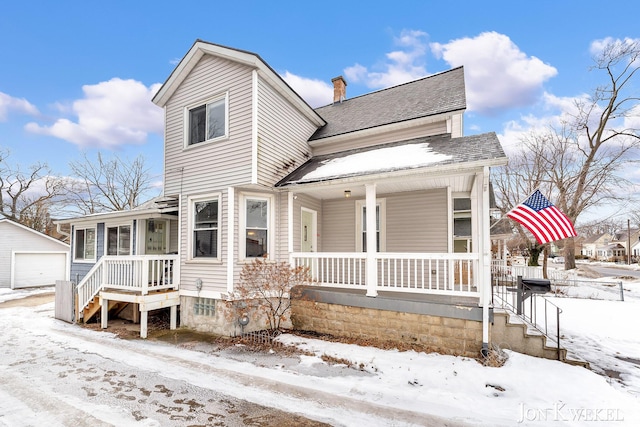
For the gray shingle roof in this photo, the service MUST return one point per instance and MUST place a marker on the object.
(439, 93)
(446, 149)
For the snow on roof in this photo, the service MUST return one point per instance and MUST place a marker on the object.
(416, 153)
(388, 158)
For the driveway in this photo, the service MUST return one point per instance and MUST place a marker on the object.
(46, 381)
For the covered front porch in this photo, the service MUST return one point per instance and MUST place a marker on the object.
(421, 235)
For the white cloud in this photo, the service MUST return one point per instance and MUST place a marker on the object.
(112, 113)
(401, 66)
(316, 92)
(598, 46)
(9, 103)
(498, 74)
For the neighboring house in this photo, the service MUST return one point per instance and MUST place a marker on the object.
(380, 195)
(626, 239)
(635, 251)
(29, 258)
(593, 245)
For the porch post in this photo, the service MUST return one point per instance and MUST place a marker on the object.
(372, 265)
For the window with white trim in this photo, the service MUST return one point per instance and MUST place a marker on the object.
(208, 121)
(256, 224)
(119, 240)
(205, 228)
(462, 225)
(361, 225)
(85, 244)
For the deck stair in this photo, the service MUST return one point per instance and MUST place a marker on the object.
(93, 308)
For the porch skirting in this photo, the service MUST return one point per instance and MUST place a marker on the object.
(444, 324)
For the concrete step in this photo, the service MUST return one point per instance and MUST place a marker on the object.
(518, 336)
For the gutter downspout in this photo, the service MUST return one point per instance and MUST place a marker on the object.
(485, 269)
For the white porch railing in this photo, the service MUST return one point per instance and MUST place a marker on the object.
(139, 273)
(435, 273)
(529, 272)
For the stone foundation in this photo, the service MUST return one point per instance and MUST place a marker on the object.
(445, 335)
(217, 317)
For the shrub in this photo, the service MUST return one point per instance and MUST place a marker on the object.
(265, 291)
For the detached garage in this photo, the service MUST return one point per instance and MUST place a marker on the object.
(29, 258)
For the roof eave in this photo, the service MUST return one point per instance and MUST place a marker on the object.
(390, 127)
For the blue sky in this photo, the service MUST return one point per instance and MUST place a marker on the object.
(79, 75)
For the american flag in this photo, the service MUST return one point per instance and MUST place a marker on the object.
(543, 219)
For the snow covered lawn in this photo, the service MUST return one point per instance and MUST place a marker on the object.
(380, 387)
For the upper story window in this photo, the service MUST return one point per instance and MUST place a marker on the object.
(119, 240)
(85, 244)
(208, 121)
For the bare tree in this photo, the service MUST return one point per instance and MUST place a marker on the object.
(102, 184)
(578, 166)
(28, 196)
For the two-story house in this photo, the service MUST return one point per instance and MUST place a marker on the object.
(380, 195)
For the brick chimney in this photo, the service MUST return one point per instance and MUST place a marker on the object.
(339, 89)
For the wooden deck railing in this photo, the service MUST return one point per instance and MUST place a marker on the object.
(139, 273)
(437, 273)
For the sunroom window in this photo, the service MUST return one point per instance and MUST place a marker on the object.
(119, 240)
(85, 244)
(207, 121)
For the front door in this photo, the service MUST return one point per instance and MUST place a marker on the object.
(156, 237)
(308, 231)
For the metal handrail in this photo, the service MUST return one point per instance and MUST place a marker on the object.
(504, 298)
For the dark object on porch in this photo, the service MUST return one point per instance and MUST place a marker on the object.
(528, 287)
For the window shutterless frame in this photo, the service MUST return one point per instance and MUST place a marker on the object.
(84, 240)
(204, 227)
(207, 121)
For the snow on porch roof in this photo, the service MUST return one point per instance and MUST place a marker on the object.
(416, 153)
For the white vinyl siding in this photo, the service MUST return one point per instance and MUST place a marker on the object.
(415, 222)
(321, 147)
(226, 162)
(282, 136)
(338, 226)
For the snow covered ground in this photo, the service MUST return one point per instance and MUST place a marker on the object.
(379, 388)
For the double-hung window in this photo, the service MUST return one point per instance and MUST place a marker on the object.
(85, 244)
(361, 225)
(205, 228)
(256, 227)
(208, 121)
(462, 226)
(119, 240)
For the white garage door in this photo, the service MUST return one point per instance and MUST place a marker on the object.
(38, 268)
